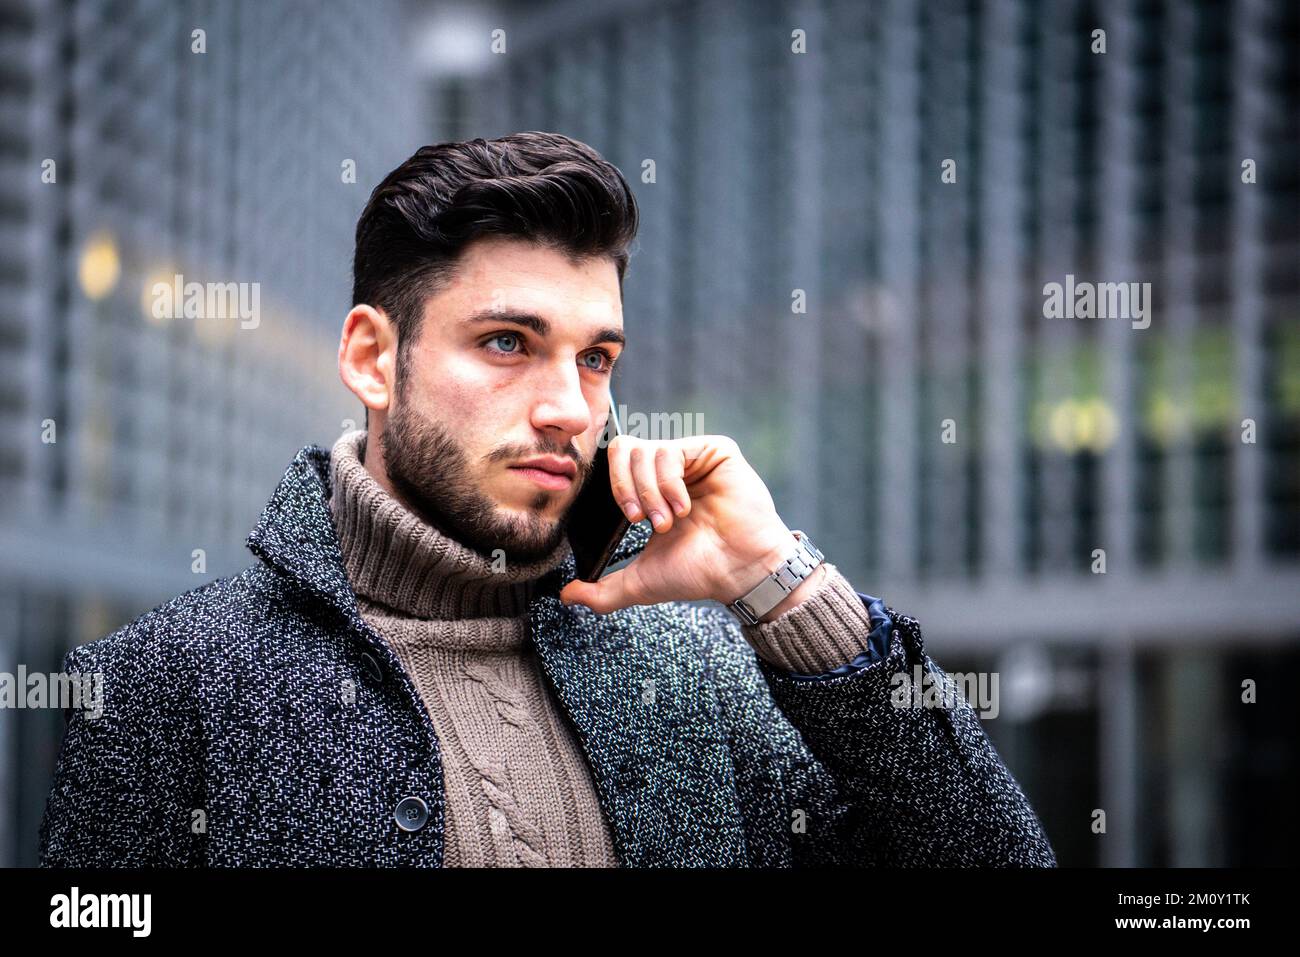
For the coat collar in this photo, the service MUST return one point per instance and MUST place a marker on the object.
(629, 681)
(295, 535)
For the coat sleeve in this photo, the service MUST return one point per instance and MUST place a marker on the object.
(903, 785)
(122, 795)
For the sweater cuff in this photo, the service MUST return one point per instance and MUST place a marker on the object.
(828, 629)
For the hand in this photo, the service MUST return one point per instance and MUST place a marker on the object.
(717, 535)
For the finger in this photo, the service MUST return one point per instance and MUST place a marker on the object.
(702, 453)
(620, 477)
(644, 462)
(616, 590)
(671, 464)
(668, 464)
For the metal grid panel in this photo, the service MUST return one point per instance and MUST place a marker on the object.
(934, 291)
(223, 166)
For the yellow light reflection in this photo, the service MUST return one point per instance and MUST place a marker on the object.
(1074, 425)
(99, 267)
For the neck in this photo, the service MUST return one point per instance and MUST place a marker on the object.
(395, 559)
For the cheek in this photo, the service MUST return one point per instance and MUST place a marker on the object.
(452, 392)
(465, 384)
(481, 404)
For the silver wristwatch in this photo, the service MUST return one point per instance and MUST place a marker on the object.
(771, 591)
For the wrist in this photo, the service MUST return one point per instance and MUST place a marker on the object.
(786, 574)
(802, 593)
(754, 561)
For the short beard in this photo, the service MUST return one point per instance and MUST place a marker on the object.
(431, 474)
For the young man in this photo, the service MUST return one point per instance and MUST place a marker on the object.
(412, 675)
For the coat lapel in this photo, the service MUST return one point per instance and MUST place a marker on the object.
(648, 722)
(295, 534)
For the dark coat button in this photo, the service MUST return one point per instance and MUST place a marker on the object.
(411, 814)
(372, 667)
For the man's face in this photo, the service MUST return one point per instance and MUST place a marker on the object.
(511, 362)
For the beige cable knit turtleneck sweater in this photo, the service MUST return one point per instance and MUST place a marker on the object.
(519, 791)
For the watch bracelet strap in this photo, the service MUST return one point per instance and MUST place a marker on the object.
(773, 589)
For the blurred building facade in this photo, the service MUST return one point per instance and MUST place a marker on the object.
(841, 263)
(950, 446)
(144, 140)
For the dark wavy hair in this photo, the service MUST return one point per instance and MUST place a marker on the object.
(544, 187)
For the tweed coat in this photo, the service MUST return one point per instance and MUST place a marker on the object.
(258, 720)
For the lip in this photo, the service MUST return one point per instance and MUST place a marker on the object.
(552, 464)
(551, 480)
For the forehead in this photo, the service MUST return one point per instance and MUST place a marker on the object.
(509, 272)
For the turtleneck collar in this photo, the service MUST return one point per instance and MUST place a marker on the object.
(394, 558)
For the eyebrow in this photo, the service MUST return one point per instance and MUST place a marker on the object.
(538, 324)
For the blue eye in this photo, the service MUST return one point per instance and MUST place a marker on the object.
(604, 368)
(505, 335)
(607, 367)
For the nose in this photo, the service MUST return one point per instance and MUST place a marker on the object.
(563, 405)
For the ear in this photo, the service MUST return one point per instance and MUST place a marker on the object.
(368, 356)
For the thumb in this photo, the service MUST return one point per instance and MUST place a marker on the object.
(609, 594)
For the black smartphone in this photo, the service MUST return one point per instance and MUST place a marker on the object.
(596, 523)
